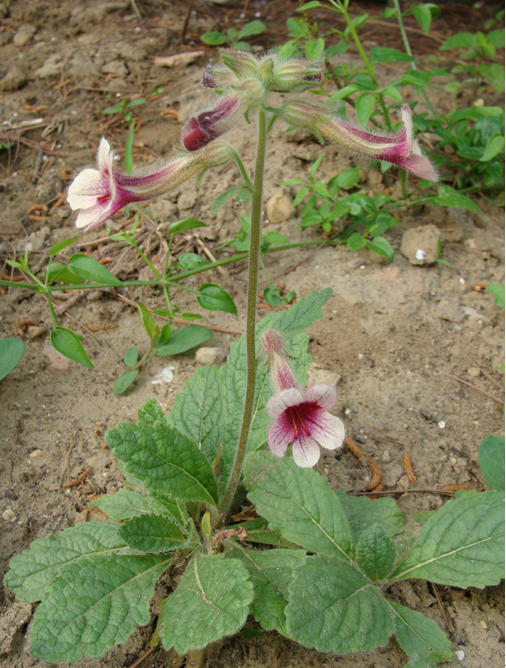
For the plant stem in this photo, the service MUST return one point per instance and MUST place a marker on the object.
(407, 46)
(251, 362)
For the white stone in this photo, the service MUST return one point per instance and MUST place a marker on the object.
(420, 245)
(385, 457)
(322, 377)
(164, 376)
(8, 515)
(207, 356)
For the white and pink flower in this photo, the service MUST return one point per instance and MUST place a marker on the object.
(99, 193)
(400, 149)
(299, 418)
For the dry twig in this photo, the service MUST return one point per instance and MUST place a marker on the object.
(408, 467)
(78, 480)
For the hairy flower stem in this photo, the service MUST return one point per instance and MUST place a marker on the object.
(251, 362)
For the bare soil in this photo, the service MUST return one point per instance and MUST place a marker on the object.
(392, 333)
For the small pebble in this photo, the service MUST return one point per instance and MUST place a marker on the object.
(8, 515)
(483, 625)
(441, 424)
(385, 457)
(473, 371)
(460, 655)
(206, 356)
(35, 453)
(36, 332)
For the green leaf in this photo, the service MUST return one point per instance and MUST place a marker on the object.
(60, 246)
(226, 195)
(393, 93)
(186, 224)
(347, 179)
(94, 604)
(494, 146)
(91, 270)
(273, 297)
(364, 107)
(136, 103)
(271, 572)
(214, 298)
(259, 532)
(148, 322)
(251, 28)
(165, 334)
(321, 189)
(67, 343)
(497, 289)
(125, 380)
(164, 459)
(423, 15)
(462, 545)
(214, 38)
(384, 55)
(462, 40)
(62, 273)
(309, 5)
(34, 569)
(191, 260)
(130, 357)
(316, 164)
(183, 339)
(211, 600)
(11, 352)
(420, 637)
(382, 247)
(276, 238)
(298, 503)
(362, 513)
(115, 109)
(122, 505)
(334, 608)
(198, 411)
(153, 534)
(344, 92)
(300, 195)
(491, 457)
(447, 196)
(356, 242)
(315, 48)
(290, 324)
(415, 79)
(188, 317)
(376, 553)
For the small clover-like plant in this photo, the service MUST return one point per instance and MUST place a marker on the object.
(233, 37)
(322, 578)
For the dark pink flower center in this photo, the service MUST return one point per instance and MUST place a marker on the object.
(300, 417)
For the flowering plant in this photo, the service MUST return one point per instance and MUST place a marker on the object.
(322, 578)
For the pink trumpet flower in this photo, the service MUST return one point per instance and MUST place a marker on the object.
(401, 148)
(99, 193)
(299, 418)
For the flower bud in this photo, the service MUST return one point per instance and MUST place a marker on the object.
(242, 63)
(212, 123)
(296, 74)
(272, 342)
(400, 149)
(266, 71)
(218, 77)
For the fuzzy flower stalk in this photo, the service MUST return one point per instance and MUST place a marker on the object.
(400, 149)
(99, 193)
(299, 418)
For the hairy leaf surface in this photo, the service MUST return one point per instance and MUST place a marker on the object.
(376, 553)
(298, 503)
(198, 413)
(363, 513)
(462, 545)
(271, 572)
(291, 325)
(34, 569)
(420, 637)
(211, 600)
(95, 603)
(153, 534)
(164, 459)
(122, 505)
(333, 607)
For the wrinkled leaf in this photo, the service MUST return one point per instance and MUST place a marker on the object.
(420, 637)
(211, 600)
(153, 534)
(334, 608)
(298, 503)
(96, 602)
(462, 545)
(447, 196)
(376, 553)
(491, 457)
(362, 513)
